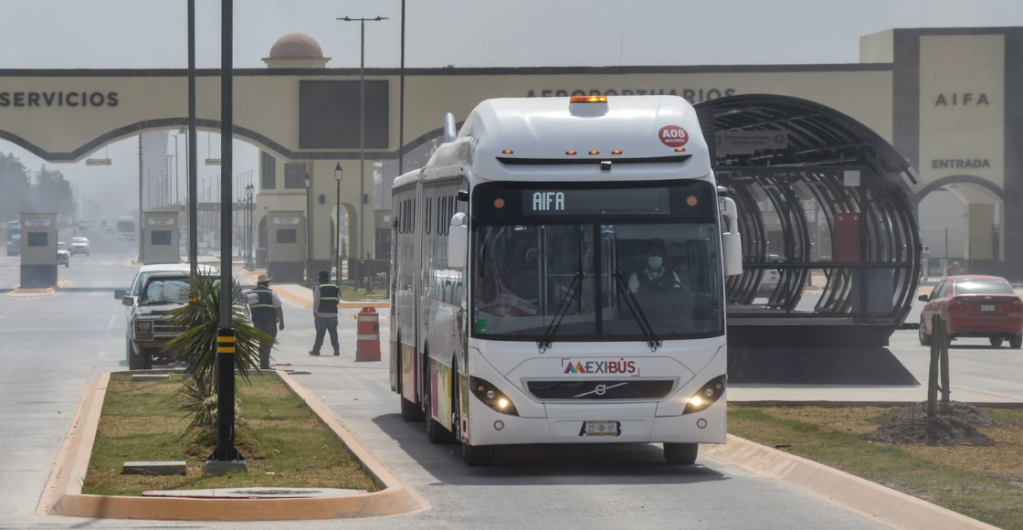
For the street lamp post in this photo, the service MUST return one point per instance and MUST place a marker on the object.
(338, 172)
(248, 229)
(362, 121)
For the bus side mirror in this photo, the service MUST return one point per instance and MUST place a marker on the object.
(731, 241)
(458, 242)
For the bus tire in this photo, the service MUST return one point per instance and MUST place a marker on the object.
(681, 454)
(435, 432)
(478, 455)
(410, 412)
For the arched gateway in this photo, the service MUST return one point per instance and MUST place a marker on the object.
(838, 123)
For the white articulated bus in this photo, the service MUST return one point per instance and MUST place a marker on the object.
(558, 277)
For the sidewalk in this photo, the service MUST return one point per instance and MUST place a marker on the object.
(303, 297)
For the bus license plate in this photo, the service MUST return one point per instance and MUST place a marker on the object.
(987, 308)
(601, 428)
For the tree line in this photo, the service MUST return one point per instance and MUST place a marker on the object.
(23, 190)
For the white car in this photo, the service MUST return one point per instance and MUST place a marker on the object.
(155, 290)
(79, 245)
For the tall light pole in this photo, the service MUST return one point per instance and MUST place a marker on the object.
(362, 122)
(177, 175)
(226, 456)
(338, 173)
(401, 98)
(190, 150)
(248, 228)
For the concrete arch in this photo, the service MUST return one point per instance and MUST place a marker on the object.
(980, 239)
(121, 133)
(970, 180)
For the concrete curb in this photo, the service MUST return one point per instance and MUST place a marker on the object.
(31, 293)
(63, 493)
(876, 502)
(774, 403)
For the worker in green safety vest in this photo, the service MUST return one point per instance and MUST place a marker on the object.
(325, 298)
(267, 316)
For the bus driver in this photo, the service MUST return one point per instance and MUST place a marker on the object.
(653, 277)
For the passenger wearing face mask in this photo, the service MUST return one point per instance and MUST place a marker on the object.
(653, 277)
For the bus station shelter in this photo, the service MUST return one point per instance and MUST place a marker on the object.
(831, 246)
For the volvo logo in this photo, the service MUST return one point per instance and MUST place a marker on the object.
(601, 389)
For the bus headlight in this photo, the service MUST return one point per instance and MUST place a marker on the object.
(707, 395)
(491, 396)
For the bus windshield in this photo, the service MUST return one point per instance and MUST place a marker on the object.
(599, 263)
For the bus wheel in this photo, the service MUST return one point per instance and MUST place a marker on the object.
(410, 412)
(478, 455)
(434, 430)
(681, 454)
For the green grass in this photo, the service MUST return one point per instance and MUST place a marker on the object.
(955, 478)
(351, 294)
(284, 443)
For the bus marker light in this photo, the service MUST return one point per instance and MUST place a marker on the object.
(680, 149)
(588, 99)
(594, 152)
(691, 200)
(507, 151)
(616, 152)
(498, 203)
(480, 388)
(570, 153)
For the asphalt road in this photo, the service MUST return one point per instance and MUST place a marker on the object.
(107, 266)
(52, 346)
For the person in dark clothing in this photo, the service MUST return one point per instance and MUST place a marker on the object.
(267, 316)
(325, 298)
(654, 276)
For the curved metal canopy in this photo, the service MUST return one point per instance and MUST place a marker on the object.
(827, 222)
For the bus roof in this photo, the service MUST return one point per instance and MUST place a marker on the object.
(523, 138)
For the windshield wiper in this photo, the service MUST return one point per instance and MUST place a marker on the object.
(573, 288)
(637, 312)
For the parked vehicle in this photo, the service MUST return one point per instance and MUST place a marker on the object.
(63, 255)
(975, 306)
(14, 244)
(156, 290)
(79, 245)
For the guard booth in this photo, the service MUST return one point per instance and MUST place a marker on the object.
(286, 247)
(38, 250)
(160, 238)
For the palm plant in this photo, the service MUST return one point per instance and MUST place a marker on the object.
(200, 320)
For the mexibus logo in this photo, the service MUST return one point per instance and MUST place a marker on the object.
(620, 366)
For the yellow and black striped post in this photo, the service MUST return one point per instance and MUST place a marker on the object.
(225, 397)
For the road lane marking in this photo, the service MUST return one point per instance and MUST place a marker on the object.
(113, 318)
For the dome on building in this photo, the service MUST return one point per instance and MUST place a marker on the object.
(296, 46)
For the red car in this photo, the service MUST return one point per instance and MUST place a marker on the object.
(975, 306)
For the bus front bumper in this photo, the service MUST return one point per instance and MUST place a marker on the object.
(636, 423)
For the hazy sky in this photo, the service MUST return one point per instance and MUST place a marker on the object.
(151, 34)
